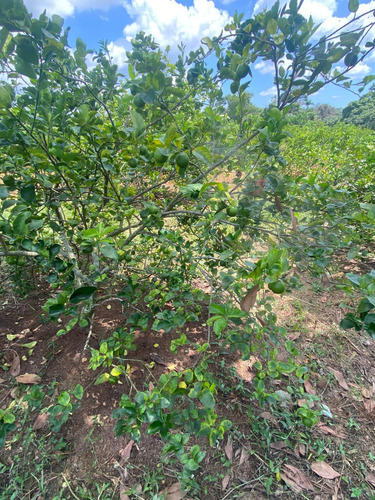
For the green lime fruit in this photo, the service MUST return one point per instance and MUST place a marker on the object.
(234, 87)
(308, 422)
(275, 113)
(160, 157)
(133, 163)
(133, 90)
(277, 287)
(242, 70)
(182, 160)
(138, 102)
(232, 211)
(143, 150)
(153, 210)
(128, 257)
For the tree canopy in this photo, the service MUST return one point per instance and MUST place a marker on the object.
(361, 112)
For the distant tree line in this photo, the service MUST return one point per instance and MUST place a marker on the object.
(360, 112)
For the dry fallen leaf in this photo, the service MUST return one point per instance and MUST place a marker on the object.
(309, 388)
(225, 482)
(174, 492)
(304, 402)
(294, 220)
(296, 479)
(249, 300)
(302, 449)
(123, 494)
(268, 416)
(229, 449)
(369, 405)
(2, 380)
(15, 366)
(244, 456)
(278, 445)
(323, 469)
(125, 453)
(340, 378)
(40, 421)
(294, 336)
(278, 204)
(328, 430)
(367, 393)
(28, 378)
(260, 183)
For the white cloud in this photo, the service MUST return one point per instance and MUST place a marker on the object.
(359, 71)
(265, 67)
(67, 8)
(322, 11)
(170, 22)
(118, 54)
(268, 92)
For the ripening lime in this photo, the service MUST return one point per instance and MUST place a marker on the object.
(138, 102)
(234, 87)
(182, 385)
(277, 287)
(242, 70)
(133, 163)
(232, 211)
(160, 157)
(143, 150)
(182, 160)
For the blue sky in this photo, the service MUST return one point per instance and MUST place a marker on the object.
(172, 21)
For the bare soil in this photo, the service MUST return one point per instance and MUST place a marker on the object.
(254, 464)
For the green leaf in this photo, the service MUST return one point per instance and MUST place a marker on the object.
(83, 293)
(102, 378)
(109, 251)
(116, 371)
(158, 81)
(217, 309)
(353, 252)
(90, 233)
(285, 367)
(272, 26)
(4, 193)
(353, 5)
(26, 50)
(78, 391)
(64, 398)
(139, 124)
(19, 224)
(5, 98)
(25, 68)
(208, 42)
(192, 465)
(81, 47)
(9, 418)
(155, 427)
(29, 345)
(28, 194)
(207, 399)
(219, 326)
(56, 310)
(203, 154)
